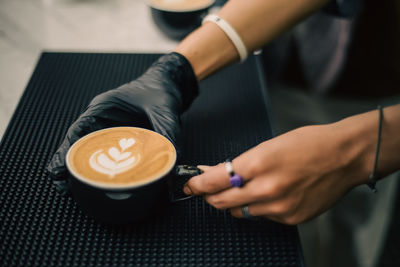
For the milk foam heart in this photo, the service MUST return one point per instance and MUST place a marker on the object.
(115, 162)
(117, 155)
(126, 143)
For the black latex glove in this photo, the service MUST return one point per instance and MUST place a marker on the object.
(155, 100)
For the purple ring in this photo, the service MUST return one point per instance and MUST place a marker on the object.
(236, 180)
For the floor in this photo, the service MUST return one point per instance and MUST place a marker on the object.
(28, 27)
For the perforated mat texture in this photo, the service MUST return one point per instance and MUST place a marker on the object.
(38, 227)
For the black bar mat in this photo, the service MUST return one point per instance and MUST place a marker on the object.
(40, 228)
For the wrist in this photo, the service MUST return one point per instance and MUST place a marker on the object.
(355, 145)
(360, 138)
(205, 58)
(181, 73)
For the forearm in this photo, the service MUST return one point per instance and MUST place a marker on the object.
(360, 134)
(257, 22)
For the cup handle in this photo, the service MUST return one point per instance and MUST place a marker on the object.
(185, 171)
(180, 170)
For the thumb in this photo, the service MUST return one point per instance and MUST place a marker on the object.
(57, 168)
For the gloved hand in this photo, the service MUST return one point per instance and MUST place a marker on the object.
(155, 101)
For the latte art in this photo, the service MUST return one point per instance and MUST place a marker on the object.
(116, 161)
(121, 156)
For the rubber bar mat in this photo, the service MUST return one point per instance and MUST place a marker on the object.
(38, 227)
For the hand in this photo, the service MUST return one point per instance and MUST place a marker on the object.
(155, 100)
(289, 179)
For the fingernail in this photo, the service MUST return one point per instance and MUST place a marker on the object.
(186, 190)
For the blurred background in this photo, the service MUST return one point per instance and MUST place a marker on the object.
(28, 27)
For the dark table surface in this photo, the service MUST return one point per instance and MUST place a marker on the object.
(38, 227)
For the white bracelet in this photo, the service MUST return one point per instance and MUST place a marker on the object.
(232, 34)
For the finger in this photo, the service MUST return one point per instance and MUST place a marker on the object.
(284, 219)
(275, 209)
(56, 167)
(79, 128)
(212, 181)
(238, 213)
(252, 191)
(204, 168)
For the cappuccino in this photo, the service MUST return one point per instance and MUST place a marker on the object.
(180, 5)
(121, 157)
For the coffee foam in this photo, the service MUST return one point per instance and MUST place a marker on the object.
(121, 157)
(180, 5)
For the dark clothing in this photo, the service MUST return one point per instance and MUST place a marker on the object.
(350, 56)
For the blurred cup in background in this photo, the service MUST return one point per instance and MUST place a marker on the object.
(177, 18)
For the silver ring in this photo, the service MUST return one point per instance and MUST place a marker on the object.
(245, 212)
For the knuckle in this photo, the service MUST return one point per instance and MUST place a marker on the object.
(281, 208)
(100, 98)
(262, 189)
(291, 220)
(208, 185)
(270, 189)
(254, 167)
(194, 187)
(221, 164)
(287, 212)
(235, 213)
(258, 192)
(216, 202)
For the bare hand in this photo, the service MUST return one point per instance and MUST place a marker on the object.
(290, 179)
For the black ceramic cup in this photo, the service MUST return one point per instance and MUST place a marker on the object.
(177, 22)
(121, 205)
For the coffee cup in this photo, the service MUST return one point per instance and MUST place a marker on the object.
(177, 18)
(123, 174)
